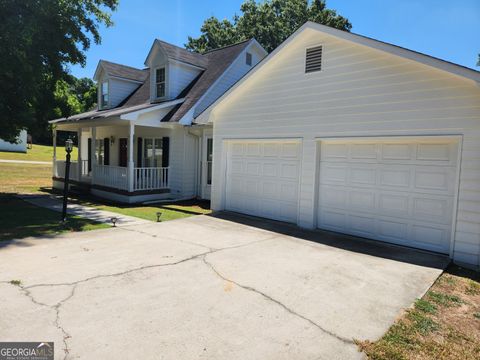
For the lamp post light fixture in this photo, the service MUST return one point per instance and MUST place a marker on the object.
(159, 214)
(113, 220)
(68, 149)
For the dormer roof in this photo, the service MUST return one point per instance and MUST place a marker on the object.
(173, 52)
(120, 71)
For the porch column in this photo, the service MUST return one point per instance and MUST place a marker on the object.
(54, 141)
(93, 149)
(79, 157)
(131, 165)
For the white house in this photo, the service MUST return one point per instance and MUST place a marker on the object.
(141, 143)
(337, 131)
(19, 146)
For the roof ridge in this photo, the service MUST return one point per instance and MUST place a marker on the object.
(227, 46)
(178, 47)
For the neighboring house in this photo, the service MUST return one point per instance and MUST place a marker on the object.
(20, 146)
(141, 143)
(341, 132)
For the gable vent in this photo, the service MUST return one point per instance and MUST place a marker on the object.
(313, 59)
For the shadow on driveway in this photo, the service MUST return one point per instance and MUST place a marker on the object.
(343, 241)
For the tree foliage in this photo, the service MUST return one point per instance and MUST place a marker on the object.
(270, 22)
(38, 39)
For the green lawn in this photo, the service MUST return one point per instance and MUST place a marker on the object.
(149, 212)
(20, 219)
(24, 178)
(38, 153)
(444, 324)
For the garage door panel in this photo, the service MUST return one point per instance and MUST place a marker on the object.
(390, 189)
(263, 178)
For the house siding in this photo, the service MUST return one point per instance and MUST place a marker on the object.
(359, 92)
(179, 77)
(119, 91)
(237, 70)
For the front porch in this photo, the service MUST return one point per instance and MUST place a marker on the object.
(121, 163)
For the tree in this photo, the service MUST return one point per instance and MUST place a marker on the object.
(270, 22)
(39, 38)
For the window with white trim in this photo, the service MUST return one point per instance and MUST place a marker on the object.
(160, 82)
(104, 94)
(152, 152)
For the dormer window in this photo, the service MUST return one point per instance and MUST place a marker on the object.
(160, 82)
(104, 94)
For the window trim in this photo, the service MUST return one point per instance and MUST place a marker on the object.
(321, 61)
(155, 140)
(104, 104)
(208, 162)
(160, 82)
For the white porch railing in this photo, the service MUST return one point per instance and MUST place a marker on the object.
(147, 178)
(85, 171)
(110, 176)
(59, 169)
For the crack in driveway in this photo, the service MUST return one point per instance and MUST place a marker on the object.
(269, 298)
(66, 335)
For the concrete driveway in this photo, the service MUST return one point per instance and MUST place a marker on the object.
(226, 287)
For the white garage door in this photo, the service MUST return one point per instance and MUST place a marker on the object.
(262, 178)
(399, 190)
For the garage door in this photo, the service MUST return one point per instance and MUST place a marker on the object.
(262, 178)
(399, 190)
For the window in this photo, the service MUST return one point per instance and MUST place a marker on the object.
(209, 160)
(99, 152)
(248, 59)
(104, 94)
(160, 82)
(152, 152)
(313, 59)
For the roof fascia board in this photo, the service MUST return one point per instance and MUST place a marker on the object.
(125, 79)
(132, 116)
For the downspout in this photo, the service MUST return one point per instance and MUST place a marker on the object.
(197, 162)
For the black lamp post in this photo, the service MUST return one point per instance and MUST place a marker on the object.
(68, 149)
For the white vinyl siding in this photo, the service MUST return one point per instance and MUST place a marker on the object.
(119, 90)
(180, 76)
(237, 70)
(359, 92)
(183, 162)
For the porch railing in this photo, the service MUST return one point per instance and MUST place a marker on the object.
(85, 171)
(59, 169)
(147, 178)
(110, 176)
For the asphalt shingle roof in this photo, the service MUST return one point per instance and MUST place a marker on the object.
(214, 63)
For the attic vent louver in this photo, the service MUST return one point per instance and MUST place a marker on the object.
(313, 59)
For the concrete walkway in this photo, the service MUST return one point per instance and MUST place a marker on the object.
(26, 162)
(54, 203)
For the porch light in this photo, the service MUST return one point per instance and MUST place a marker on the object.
(68, 146)
(159, 214)
(113, 220)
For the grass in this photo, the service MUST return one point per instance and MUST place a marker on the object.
(444, 324)
(20, 219)
(38, 153)
(24, 178)
(170, 211)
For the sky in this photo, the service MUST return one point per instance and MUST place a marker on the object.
(442, 28)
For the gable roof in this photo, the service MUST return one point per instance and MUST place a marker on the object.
(218, 61)
(214, 63)
(428, 60)
(121, 71)
(177, 53)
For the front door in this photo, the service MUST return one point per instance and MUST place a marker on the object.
(123, 148)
